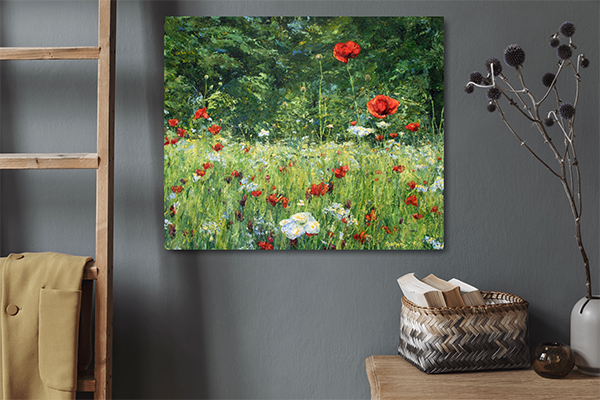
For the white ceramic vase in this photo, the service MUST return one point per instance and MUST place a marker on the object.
(585, 335)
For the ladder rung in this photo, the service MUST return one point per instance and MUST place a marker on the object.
(50, 53)
(90, 271)
(86, 381)
(49, 161)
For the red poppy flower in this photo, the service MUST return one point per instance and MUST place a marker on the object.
(173, 122)
(207, 165)
(319, 190)
(265, 245)
(412, 184)
(173, 211)
(181, 132)
(311, 234)
(371, 216)
(360, 236)
(235, 174)
(386, 229)
(393, 135)
(412, 199)
(177, 189)
(434, 209)
(214, 129)
(398, 168)
(341, 171)
(272, 199)
(353, 123)
(379, 137)
(343, 51)
(201, 113)
(256, 193)
(247, 149)
(381, 106)
(172, 141)
(281, 169)
(217, 147)
(378, 172)
(284, 202)
(413, 126)
(200, 172)
(417, 216)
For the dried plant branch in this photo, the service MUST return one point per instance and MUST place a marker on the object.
(523, 142)
(570, 174)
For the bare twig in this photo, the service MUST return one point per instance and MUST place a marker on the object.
(523, 142)
(570, 174)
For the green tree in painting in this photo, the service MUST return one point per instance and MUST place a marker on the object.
(248, 65)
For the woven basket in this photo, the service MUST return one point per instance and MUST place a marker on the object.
(488, 337)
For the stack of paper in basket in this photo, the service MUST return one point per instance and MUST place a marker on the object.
(432, 291)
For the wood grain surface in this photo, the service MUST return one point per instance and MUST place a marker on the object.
(391, 377)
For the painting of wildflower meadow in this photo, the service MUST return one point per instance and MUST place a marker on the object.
(304, 133)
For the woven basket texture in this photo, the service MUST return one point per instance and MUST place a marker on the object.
(488, 337)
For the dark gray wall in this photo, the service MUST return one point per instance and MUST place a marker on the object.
(289, 325)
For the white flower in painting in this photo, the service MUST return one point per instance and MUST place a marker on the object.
(312, 227)
(301, 218)
(360, 131)
(434, 243)
(340, 213)
(263, 133)
(300, 224)
(382, 124)
(291, 229)
(438, 184)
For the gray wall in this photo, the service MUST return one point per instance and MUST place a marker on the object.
(289, 325)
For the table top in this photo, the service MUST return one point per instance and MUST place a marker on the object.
(391, 377)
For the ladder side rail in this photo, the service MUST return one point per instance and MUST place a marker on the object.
(105, 199)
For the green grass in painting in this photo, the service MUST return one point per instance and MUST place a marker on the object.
(365, 209)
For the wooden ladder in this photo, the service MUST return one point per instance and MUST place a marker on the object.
(98, 380)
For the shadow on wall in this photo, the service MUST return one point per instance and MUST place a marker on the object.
(158, 318)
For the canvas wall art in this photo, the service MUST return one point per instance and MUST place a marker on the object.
(304, 133)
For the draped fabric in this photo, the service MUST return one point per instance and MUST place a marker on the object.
(39, 323)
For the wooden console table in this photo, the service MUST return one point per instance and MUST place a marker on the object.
(391, 377)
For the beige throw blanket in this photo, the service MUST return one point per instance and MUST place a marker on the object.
(39, 323)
